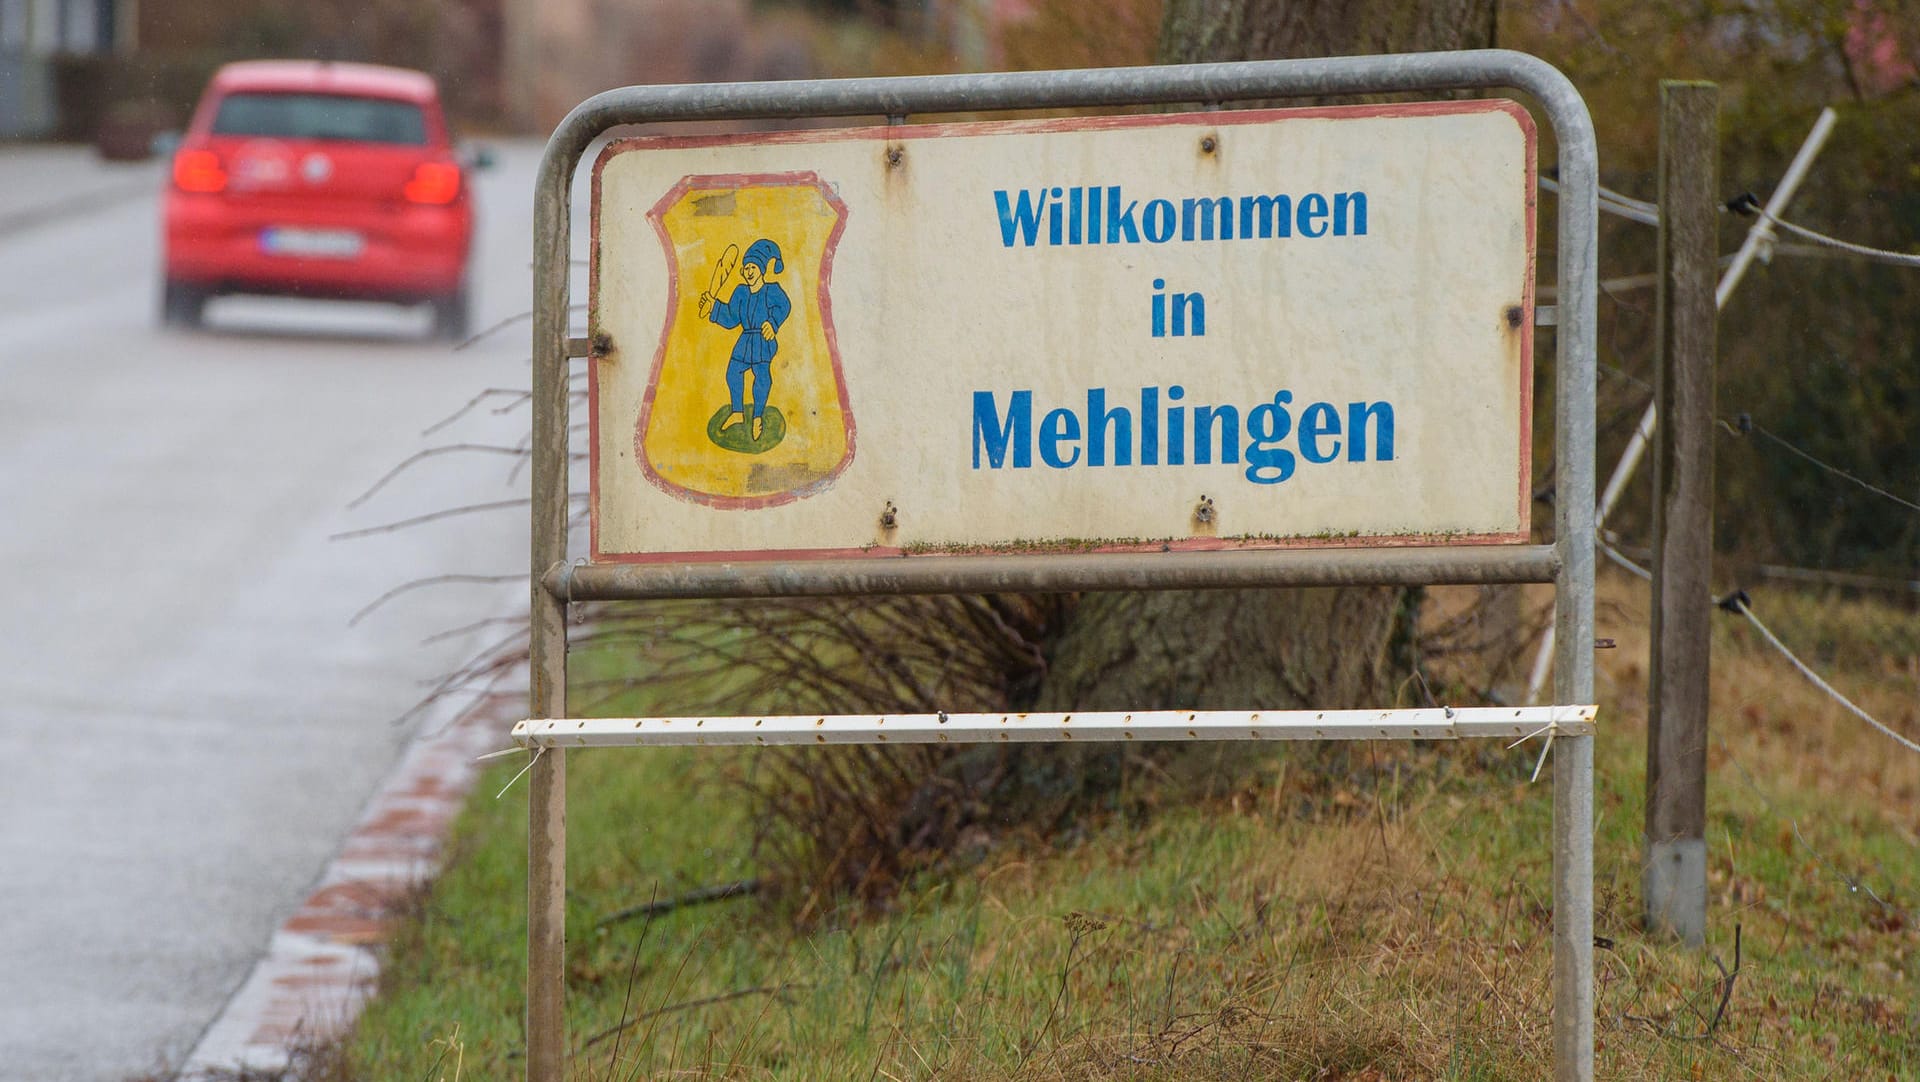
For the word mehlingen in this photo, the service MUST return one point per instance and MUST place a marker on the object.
(1096, 215)
(1177, 435)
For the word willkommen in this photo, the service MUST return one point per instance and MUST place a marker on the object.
(1177, 435)
(1095, 215)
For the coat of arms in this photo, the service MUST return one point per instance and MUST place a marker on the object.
(747, 406)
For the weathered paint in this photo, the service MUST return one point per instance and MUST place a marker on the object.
(674, 446)
(1424, 723)
(1054, 330)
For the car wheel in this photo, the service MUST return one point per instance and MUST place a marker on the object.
(182, 305)
(451, 316)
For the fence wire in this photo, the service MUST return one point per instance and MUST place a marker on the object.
(1875, 255)
(1855, 884)
(1743, 422)
(1739, 603)
(1639, 210)
(1740, 424)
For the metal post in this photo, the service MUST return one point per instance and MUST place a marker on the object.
(1576, 372)
(1020, 573)
(1199, 83)
(547, 792)
(1674, 871)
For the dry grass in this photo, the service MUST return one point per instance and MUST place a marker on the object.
(1385, 920)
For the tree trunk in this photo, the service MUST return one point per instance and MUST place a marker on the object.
(863, 823)
(1250, 649)
(1194, 31)
(1231, 649)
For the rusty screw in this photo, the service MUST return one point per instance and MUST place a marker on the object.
(890, 517)
(1203, 511)
(894, 156)
(1514, 315)
(1208, 144)
(602, 344)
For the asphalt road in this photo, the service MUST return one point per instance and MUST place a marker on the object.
(188, 725)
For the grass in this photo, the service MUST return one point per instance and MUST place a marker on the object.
(1389, 919)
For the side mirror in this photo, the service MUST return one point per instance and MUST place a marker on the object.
(164, 143)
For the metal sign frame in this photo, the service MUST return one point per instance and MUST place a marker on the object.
(1568, 563)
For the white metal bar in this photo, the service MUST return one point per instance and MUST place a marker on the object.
(1761, 234)
(1758, 236)
(1434, 723)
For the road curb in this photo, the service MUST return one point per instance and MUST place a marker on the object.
(322, 964)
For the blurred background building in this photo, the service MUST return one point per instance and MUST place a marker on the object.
(34, 34)
(119, 70)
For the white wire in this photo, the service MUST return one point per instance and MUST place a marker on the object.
(1551, 729)
(1617, 557)
(1614, 203)
(1878, 255)
(1623, 211)
(1640, 210)
(1854, 884)
(538, 752)
(1821, 684)
(1631, 203)
(1620, 558)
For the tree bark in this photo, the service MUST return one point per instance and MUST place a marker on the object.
(1230, 649)
(1193, 31)
(1248, 649)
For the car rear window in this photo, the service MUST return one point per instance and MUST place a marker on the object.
(321, 116)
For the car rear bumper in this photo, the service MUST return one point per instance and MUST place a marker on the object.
(404, 253)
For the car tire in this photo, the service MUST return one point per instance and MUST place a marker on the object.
(452, 316)
(182, 305)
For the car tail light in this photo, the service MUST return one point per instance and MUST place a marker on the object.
(199, 171)
(434, 182)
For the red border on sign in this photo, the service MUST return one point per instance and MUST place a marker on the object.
(905, 133)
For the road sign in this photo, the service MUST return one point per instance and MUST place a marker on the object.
(1204, 330)
(635, 561)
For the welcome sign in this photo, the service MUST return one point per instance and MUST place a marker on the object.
(1222, 329)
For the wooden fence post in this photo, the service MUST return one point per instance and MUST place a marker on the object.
(1675, 869)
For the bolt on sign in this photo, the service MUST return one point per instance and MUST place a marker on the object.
(1205, 330)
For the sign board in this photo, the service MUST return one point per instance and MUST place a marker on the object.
(1206, 330)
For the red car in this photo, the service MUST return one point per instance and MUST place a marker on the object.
(318, 179)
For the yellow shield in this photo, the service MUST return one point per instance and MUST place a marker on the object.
(747, 406)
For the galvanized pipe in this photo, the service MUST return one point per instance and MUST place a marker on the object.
(1087, 87)
(1031, 573)
(1575, 372)
(546, 1019)
(1202, 83)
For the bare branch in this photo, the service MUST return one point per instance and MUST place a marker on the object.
(724, 997)
(719, 892)
(433, 452)
(473, 403)
(436, 580)
(477, 625)
(518, 317)
(1726, 985)
(493, 660)
(434, 516)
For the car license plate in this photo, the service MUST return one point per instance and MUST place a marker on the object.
(318, 243)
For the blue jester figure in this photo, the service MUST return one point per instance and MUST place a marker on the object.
(758, 308)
